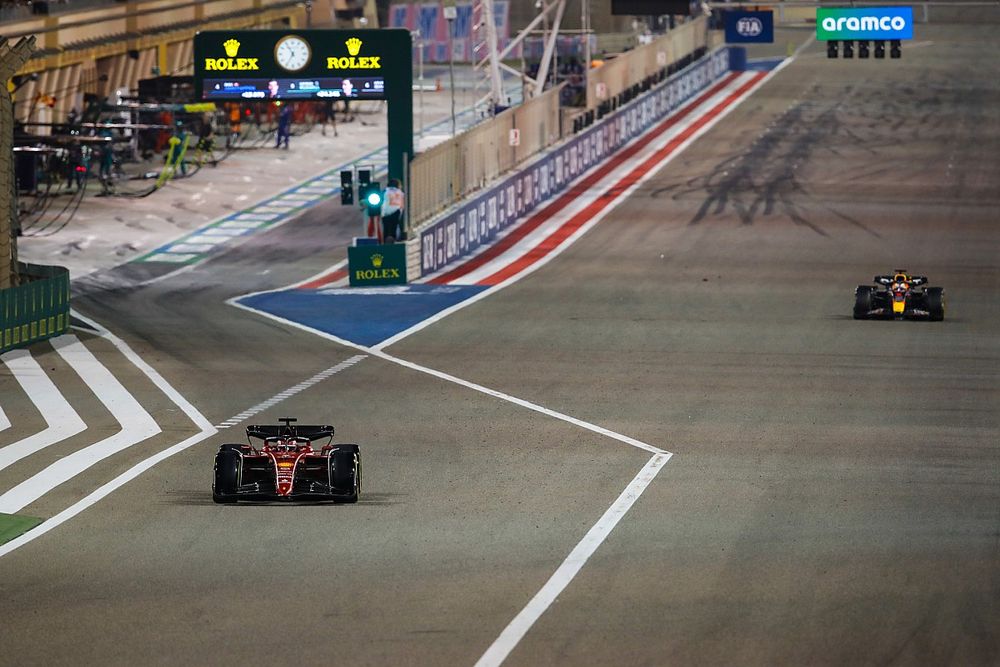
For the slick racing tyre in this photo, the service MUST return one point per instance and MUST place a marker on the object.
(935, 303)
(345, 475)
(227, 471)
(863, 301)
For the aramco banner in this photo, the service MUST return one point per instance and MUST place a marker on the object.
(854, 23)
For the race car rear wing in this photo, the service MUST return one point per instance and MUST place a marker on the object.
(310, 432)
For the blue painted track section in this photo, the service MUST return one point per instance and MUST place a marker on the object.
(366, 316)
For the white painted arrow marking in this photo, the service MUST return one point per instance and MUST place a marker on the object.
(137, 425)
(61, 419)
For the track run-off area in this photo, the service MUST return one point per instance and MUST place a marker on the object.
(642, 428)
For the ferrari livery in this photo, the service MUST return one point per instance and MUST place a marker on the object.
(287, 467)
(899, 296)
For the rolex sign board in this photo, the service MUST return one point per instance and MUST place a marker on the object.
(749, 27)
(377, 264)
(261, 65)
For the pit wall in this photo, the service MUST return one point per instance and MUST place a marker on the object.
(476, 223)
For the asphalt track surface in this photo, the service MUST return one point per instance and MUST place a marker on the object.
(835, 491)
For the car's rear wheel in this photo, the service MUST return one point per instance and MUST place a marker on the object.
(935, 303)
(863, 301)
(345, 474)
(227, 475)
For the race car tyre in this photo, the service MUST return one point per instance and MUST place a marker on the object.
(935, 303)
(227, 470)
(345, 474)
(863, 301)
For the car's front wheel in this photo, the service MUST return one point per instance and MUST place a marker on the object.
(863, 301)
(227, 474)
(935, 303)
(345, 475)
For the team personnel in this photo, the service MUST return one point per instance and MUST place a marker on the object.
(393, 203)
(284, 126)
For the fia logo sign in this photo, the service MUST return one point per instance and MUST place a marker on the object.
(749, 26)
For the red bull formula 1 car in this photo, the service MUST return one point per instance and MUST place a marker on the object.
(899, 296)
(287, 467)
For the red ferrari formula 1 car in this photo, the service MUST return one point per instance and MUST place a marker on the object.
(287, 467)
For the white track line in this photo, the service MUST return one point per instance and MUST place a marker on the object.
(291, 391)
(4, 422)
(137, 425)
(519, 626)
(638, 444)
(564, 574)
(61, 419)
(569, 568)
(205, 426)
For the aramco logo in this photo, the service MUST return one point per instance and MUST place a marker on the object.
(862, 23)
(377, 261)
(232, 63)
(750, 26)
(353, 61)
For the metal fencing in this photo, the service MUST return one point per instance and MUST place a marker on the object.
(35, 310)
(469, 161)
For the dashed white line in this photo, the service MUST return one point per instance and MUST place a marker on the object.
(61, 419)
(288, 393)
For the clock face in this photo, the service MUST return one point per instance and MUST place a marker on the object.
(292, 53)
